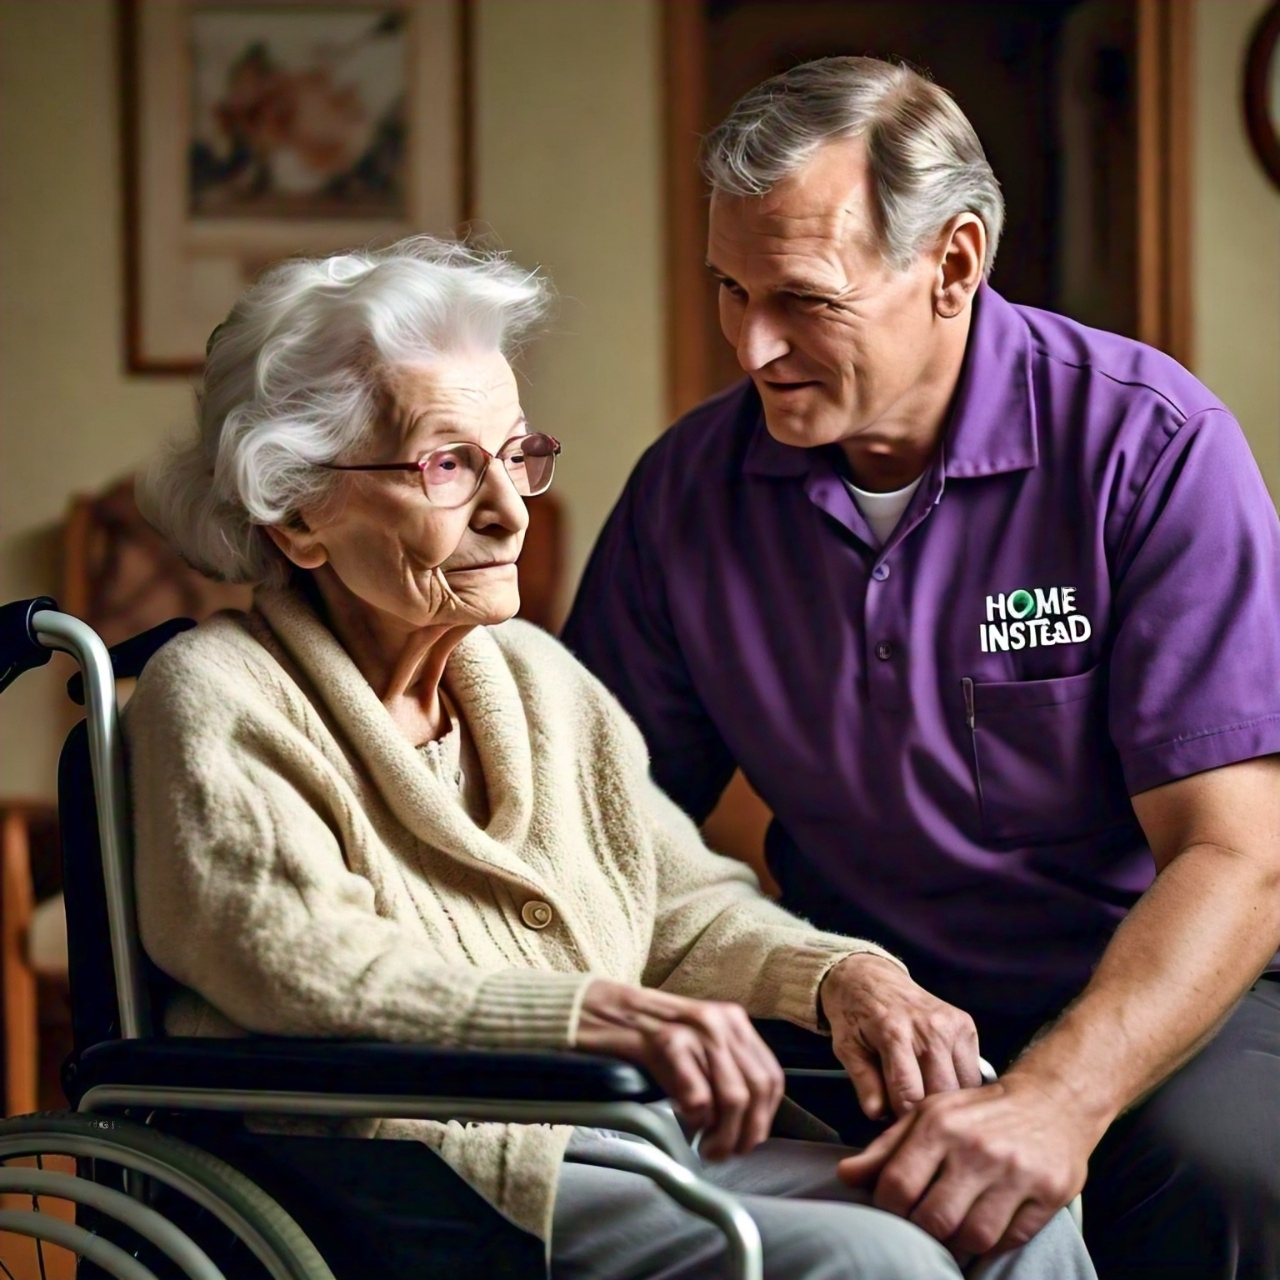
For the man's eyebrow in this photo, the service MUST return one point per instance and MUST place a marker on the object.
(797, 284)
(806, 287)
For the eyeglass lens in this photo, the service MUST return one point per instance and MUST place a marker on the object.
(451, 476)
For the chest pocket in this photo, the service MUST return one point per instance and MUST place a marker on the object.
(1043, 762)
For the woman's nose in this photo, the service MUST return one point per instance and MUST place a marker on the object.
(499, 502)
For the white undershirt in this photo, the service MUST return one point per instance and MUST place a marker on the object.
(883, 510)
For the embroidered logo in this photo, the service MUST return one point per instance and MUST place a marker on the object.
(1033, 619)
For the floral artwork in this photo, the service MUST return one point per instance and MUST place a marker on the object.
(297, 112)
(259, 129)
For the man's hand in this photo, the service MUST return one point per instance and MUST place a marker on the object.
(723, 1079)
(898, 1043)
(981, 1169)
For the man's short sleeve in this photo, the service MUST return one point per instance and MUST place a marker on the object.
(1195, 662)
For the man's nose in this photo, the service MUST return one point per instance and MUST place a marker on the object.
(761, 340)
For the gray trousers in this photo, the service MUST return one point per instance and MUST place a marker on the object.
(1186, 1186)
(611, 1225)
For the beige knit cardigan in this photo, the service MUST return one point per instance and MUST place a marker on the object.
(300, 871)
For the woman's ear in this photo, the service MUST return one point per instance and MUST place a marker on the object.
(298, 544)
(960, 268)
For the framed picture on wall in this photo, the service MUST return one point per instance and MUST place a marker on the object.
(259, 129)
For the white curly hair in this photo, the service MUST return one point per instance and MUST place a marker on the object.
(291, 381)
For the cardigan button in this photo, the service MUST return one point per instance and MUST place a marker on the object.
(536, 914)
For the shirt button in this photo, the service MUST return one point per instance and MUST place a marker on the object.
(536, 914)
(884, 651)
(880, 572)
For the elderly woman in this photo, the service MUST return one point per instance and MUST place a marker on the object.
(373, 806)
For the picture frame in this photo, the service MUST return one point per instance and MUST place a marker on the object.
(1262, 91)
(255, 130)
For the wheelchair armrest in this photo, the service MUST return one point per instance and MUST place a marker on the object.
(289, 1065)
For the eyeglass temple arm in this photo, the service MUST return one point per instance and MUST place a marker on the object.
(373, 466)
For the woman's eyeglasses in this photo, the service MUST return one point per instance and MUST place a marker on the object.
(452, 475)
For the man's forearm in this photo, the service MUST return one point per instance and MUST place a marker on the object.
(1175, 969)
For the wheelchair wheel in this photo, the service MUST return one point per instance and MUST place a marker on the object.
(134, 1204)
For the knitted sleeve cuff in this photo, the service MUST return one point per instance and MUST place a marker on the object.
(797, 973)
(526, 1009)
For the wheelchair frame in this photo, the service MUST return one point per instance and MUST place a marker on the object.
(139, 1070)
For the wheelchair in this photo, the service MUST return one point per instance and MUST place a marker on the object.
(154, 1172)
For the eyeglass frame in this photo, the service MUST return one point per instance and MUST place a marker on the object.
(421, 465)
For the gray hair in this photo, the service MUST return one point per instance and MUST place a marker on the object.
(926, 162)
(292, 380)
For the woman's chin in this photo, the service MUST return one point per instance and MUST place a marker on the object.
(484, 611)
(503, 612)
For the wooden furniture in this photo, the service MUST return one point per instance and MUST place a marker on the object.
(122, 577)
(33, 943)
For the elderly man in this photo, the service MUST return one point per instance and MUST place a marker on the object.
(986, 605)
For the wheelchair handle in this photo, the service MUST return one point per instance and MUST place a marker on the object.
(20, 646)
(55, 630)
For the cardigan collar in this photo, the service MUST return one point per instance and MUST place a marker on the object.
(488, 698)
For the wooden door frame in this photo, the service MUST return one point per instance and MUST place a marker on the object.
(684, 63)
(1164, 36)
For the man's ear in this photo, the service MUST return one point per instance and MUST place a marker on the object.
(298, 544)
(964, 247)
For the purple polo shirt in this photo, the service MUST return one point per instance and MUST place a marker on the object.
(1081, 602)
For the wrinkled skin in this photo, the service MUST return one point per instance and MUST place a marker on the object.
(844, 348)
(719, 1073)
(898, 1042)
(403, 580)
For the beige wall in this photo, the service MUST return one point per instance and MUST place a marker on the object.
(69, 419)
(567, 174)
(569, 144)
(1236, 238)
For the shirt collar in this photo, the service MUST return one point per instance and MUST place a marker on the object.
(992, 428)
(993, 417)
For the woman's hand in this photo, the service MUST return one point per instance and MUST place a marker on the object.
(898, 1043)
(721, 1076)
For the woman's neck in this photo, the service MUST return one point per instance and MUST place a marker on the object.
(403, 664)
